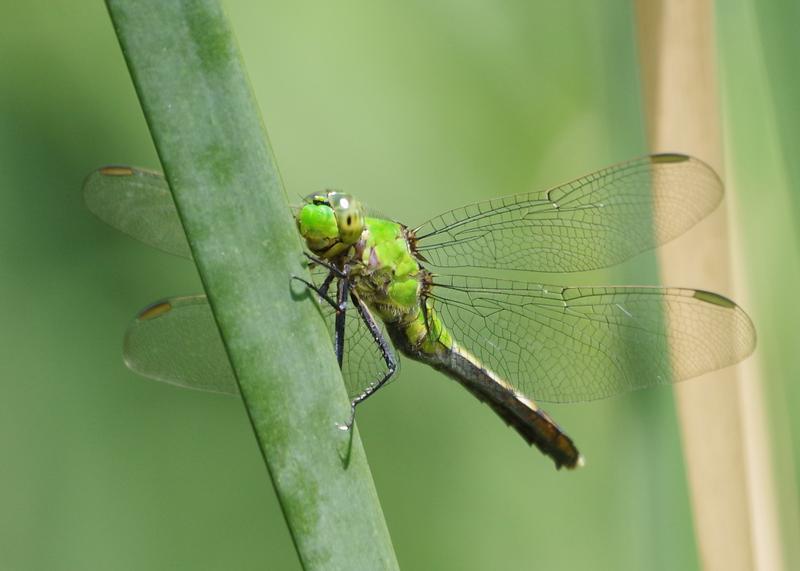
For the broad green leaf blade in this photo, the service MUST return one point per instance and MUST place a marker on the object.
(592, 222)
(209, 135)
(177, 341)
(137, 202)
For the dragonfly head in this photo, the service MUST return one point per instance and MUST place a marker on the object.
(329, 219)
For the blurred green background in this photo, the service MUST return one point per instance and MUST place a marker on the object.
(440, 103)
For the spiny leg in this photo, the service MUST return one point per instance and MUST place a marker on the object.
(426, 317)
(326, 284)
(388, 357)
(339, 304)
(327, 265)
(424, 307)
(342, 292)
(322, 290)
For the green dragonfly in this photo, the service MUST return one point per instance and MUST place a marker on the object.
(508, 342)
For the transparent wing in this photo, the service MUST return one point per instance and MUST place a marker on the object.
(595, 221)
(176, 341)
(567, 344)
(137, 202)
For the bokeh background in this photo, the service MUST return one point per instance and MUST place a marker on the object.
(416, 107)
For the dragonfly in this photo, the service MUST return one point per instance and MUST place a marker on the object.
(387, 288)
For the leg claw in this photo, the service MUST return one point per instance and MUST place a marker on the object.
(346, 426)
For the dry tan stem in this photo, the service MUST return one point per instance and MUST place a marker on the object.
(678, 58)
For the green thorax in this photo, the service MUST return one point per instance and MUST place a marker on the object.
(386, 274)
(391, 281)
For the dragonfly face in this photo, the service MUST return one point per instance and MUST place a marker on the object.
(330, 222)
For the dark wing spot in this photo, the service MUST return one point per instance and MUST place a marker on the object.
(116, 171)
(157, 309)
(669, 158)
(714, 298)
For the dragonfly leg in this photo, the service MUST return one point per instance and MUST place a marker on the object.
(388, 357)
(426, 317)
(322, 290)
(424, 308)
(327, 265)
(326, 284)
(339, 305)
(342, 292)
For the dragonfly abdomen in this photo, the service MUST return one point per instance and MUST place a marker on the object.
(519, 412)
(522, 414)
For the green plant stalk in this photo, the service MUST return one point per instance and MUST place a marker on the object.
(208, 132)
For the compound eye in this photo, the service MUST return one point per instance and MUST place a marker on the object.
(349, 219)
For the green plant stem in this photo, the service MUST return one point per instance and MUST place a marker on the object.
(206, 127)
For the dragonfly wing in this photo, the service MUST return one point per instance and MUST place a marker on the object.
(595, 221)
(176, 341)
(569, 344)
(139, 203)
